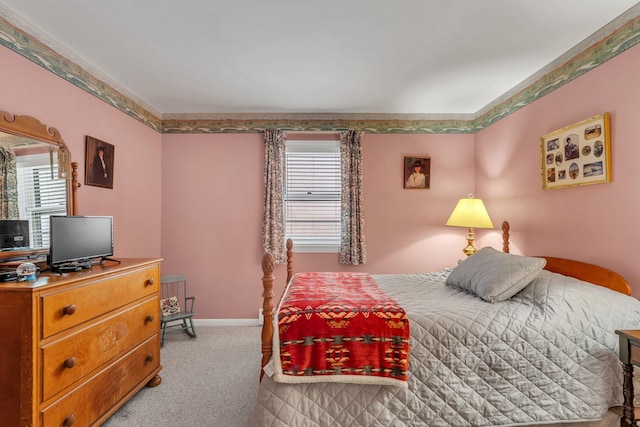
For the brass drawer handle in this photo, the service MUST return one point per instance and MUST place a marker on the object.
(149, 282)
(69, 310)
(70, 362)
(69, 420)
(149, 318)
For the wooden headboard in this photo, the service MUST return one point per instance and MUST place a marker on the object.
(580, 270)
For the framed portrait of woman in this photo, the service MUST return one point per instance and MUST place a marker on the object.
(98, 164)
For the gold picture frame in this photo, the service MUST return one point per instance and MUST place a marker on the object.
(579, 154)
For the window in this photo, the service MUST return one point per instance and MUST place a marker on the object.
(40, 195)
(312, 195)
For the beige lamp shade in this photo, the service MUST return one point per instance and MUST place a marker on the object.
(470, 213)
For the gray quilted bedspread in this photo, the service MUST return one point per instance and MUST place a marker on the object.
(549, 354)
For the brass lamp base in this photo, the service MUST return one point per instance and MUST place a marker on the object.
(470, 249)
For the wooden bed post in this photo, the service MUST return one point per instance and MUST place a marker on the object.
(289, 260)
(505, 237)
(268, 264)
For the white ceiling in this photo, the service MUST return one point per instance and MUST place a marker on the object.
(423, 57)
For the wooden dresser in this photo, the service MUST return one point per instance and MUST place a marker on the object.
(75, 347)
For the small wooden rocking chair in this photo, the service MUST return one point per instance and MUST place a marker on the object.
(176, 306)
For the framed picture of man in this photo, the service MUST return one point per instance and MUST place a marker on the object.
(98, 164)
(417, 171)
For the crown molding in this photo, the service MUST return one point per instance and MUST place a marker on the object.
(15, 34)
(613, 39)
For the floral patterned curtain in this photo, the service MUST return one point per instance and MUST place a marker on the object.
(353, 249)
(8, 185)
(273, 225)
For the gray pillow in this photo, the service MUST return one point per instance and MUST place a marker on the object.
(493, 275)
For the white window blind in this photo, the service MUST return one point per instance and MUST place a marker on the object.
(312, 195)
(40, 195)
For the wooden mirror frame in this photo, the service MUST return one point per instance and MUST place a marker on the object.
(30, 127)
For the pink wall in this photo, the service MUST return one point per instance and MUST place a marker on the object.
(211, 219)
(135, 200)
(212, 192)
(196, 200)
(591, 223)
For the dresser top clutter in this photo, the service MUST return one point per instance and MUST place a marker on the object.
(47, 279)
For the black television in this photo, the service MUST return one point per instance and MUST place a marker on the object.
(79, 239)
(14, 234)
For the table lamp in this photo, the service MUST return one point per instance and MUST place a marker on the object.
(470, 213)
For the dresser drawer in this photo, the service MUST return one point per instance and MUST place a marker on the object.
(77, 355)
(97, 396)
(70, 307)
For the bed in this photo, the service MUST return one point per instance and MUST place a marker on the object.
(481, 354)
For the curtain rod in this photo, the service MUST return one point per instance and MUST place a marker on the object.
(313, 131)
(313, 135)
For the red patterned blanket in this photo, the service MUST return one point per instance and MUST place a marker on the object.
(340, 327)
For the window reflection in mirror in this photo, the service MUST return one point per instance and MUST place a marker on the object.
(39, 190)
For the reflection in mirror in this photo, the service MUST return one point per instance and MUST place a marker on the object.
(32, 168)
(37, 180)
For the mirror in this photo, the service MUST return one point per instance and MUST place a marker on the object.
(37, 179)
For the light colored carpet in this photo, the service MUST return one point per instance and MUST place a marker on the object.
(211, 381)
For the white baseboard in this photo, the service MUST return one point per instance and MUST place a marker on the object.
(226, 322)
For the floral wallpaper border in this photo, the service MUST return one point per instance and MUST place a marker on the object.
(35, 51)
(617, 42)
